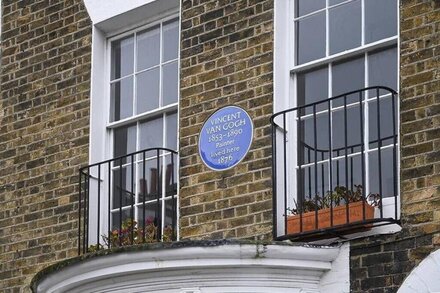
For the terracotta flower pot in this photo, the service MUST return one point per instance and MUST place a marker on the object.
(339, 218)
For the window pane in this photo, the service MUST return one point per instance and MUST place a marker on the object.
(147, 90)
(386, 167)
(382, 68)
(351, 131)
(124, 141)
(380, 19)
(148, 44)
(122, 188)
(126, 214)
(349, 177)
(306, 6)
(148, 185)
(153, 220)
(385, 118)
(121, 95)
(170, 40)
(345, 27)
(310, 38)
(171, 175)
(171, 120)
(170, 76)
(122, 57)
(151, 133)
(312, 86)
(347, 76)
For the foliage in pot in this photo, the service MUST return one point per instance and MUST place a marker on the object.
(129, 229)
(347, 206)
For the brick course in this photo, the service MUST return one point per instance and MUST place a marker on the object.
(226, 59)
(381, 263)
(44, 126)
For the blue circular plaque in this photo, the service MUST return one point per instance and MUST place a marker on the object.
(225, 138)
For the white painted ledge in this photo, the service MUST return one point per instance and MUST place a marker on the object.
(221, 268)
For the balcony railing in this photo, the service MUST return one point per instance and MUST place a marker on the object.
(131, 199)
(335, 166)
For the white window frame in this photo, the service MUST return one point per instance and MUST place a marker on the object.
(137, 119)
(285, 89)
(115, 21)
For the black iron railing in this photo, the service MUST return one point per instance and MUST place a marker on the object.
(335, 165)
(128, 200)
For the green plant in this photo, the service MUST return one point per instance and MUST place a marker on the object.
(339, 196)
(132, 234)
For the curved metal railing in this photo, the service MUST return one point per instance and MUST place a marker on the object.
(128, 200)
(335, 165)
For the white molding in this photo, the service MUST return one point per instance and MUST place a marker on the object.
(268, 268)
(424, 278)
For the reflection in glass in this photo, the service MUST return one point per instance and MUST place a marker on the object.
(121, 97)
(122, 57)
(150, 180)
(312, 86)
(385, 119)
(310, 38)
(171, 125)
(345, 27)
(148, 46)
(380, 19)
(151, 133)
(382, 67)
(123, 191)
(170, 40)
(304, 7)
(385, 169)
(147, 90)
(170, 77)
(347, 76)
(124, 141)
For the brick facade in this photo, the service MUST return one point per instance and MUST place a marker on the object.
(380, 264)
(44, 125)
(226, 59)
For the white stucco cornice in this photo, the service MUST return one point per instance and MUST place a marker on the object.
(110, 16)
(214, 266)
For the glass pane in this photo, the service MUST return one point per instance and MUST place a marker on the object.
(386, 121)
(152, 218)
(310, 38)
(122, 56)
(347, 177)
(382, 68)
(170, 219)
(126, 214)
(124, 141)
(315, 184)
(151, 135)
(121, 95)
(171, 175)
(149, 180)
(306, 6)
(345, 27)
(148, 46)
(347, 76)
(171, 122)
(312, 86)
(386, 168)
(351, 130)
(147, 90)
(123, 191)
(170, 77)
(308, 140)
(170, 40)
(380, 19)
